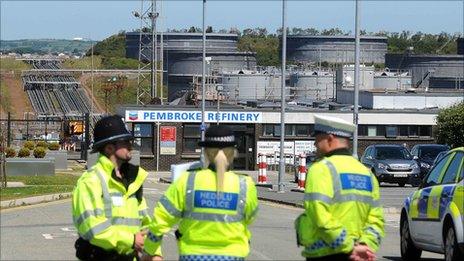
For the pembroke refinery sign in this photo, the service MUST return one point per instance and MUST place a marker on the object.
(193, 116)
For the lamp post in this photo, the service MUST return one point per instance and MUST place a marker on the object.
(203, 91)
(282, 101)
(356, 80)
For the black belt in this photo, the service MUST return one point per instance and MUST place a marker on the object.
(88, 252)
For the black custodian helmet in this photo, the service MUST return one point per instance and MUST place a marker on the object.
(109, 129)
(218, 136)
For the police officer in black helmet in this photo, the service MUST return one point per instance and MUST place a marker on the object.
(108, 206)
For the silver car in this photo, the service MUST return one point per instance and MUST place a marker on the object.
(392, 164)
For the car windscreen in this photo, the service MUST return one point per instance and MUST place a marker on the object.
(383, 153)
(430, 153)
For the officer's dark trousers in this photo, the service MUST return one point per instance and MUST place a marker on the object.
(338, 257)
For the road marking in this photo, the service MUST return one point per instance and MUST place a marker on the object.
(69, 229)
(59, 235)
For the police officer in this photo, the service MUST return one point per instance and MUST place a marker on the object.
(343, 219)
(108, 207)
(213, 206)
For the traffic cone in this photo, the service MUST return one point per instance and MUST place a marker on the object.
(262, 175)
(302, 172)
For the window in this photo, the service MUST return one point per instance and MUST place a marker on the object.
(143, 130)
(462, 173)
(289, 130)
(403, 130)
(362, 130)
(144, 145)
(190, 144)
(277, 130)
(192, 136)
(413, 131)
(366, 153)
(391, 131)
(425, 131)
(371, 131)
(268, 130)
(302, 130)
(381, 130)
(434, 175)
(453, 168)
(385, 153)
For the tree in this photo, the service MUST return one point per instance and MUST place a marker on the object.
(450, 126)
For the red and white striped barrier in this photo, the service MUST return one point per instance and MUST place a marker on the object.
(262, 168)
(302, 172)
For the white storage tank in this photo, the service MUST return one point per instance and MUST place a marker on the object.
(387, 80)
(251, 85)
(366, 77)
(317, 85)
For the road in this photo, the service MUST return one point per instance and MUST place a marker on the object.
(45, 232)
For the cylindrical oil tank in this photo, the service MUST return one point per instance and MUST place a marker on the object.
(190, 62)
(182, 42)
(392, 81)
(251, 85)
(425, 66)
(317, 85)
(335, 49)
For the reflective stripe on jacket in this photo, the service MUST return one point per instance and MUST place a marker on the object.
(341, 207)
(211, 223)
(104, 212)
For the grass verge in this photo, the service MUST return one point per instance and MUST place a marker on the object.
(39, 185)
(24, 192)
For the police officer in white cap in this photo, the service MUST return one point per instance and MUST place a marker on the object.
(343, 219)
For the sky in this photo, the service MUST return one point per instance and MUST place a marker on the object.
(97, 20)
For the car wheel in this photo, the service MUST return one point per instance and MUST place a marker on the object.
(401, 184)
(408, 250)
(452, 251)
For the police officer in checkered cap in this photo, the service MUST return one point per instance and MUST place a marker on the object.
(343, 219)
(213, 206)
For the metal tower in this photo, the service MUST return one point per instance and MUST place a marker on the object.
(148, 57)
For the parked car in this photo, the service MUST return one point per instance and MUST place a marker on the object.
(392, 164)
(432, 218)
(310, 158)
(425, 154)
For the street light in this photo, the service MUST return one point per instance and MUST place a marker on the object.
(280, 187)
(356, 79)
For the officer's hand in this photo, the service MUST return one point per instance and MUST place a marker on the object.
(139, 238)
(362, 253)
(151, 258)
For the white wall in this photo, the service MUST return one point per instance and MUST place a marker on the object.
(387, 118)
(414, 102)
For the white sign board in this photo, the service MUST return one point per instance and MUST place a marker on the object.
(193, 116)
(272, 150)
(304, 146)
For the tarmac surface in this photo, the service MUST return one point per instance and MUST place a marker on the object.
(46, 232)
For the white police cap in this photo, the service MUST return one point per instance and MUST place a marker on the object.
(334, 126)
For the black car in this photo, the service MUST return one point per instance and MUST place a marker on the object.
(425, 154)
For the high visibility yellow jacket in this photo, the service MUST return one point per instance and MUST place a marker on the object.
(211, 223)
(104, 212)
(341, 207)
